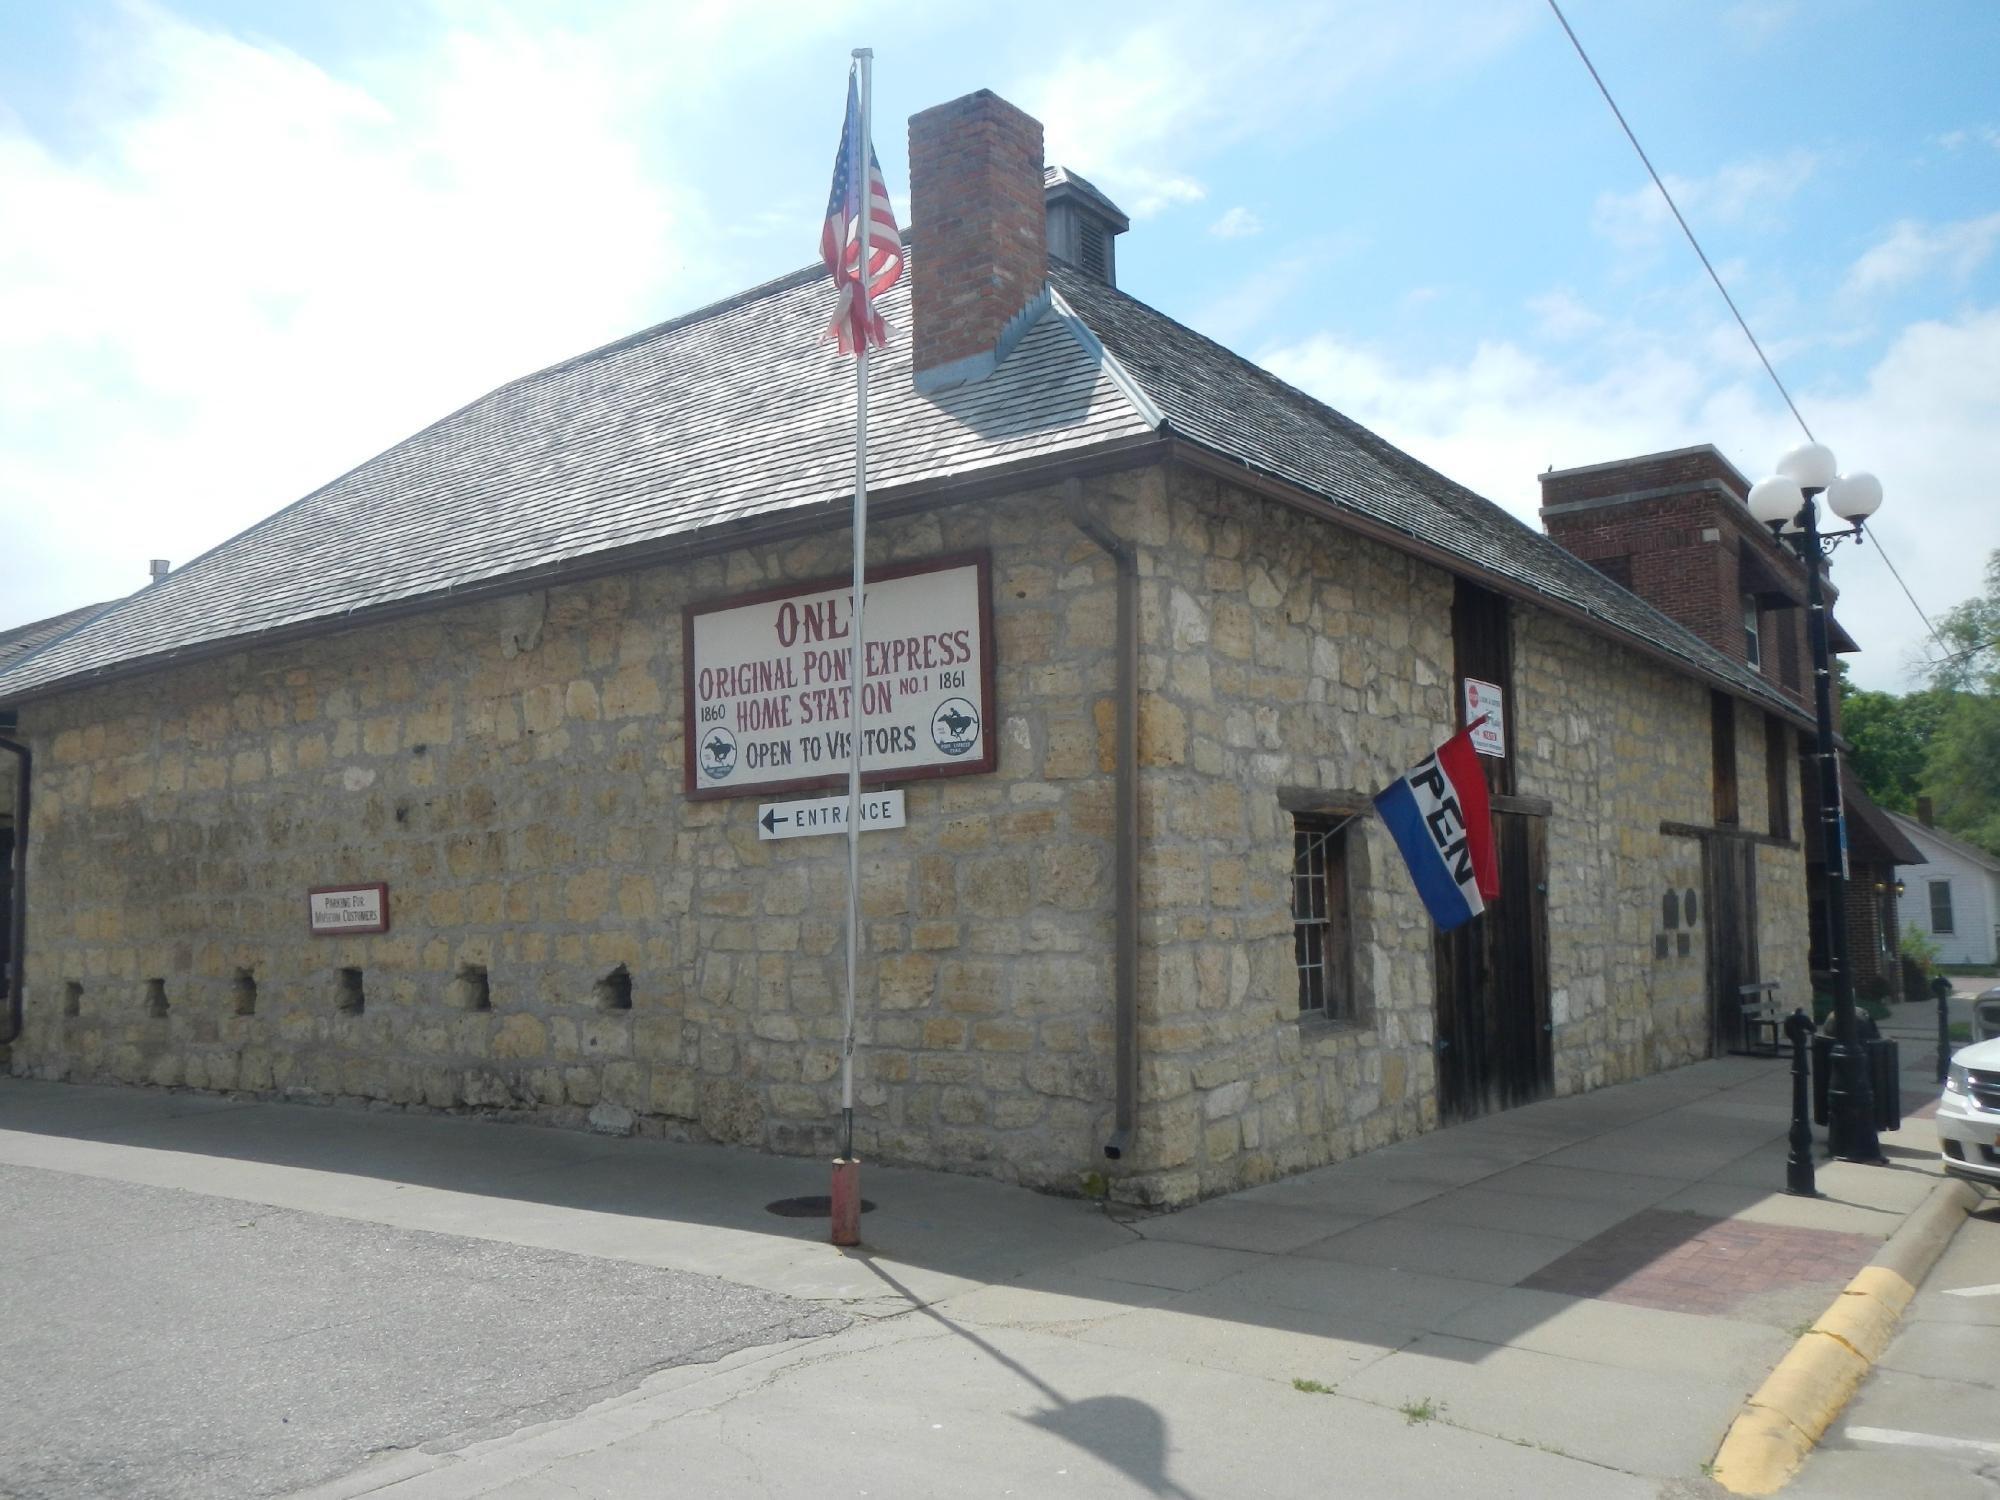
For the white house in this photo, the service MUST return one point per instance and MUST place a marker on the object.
(1954, 896)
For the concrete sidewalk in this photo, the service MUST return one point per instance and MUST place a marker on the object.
(1569, 1299)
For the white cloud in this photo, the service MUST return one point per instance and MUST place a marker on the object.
(253, 274)
(1239, 223)
(1139, 105)
(1921, 420)
(1912, 251)
(1755, 23)
(1563, 316)
(1741, 192)
(1958, 140)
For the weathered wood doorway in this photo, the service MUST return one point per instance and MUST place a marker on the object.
(1494, 1041)
(1729, 875)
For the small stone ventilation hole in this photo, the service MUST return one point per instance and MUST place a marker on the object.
(614, 990)
(243, 993)
(471, 991)
(72, 997)
(156, 998)
(348, 998)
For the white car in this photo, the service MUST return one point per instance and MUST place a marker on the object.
(1968, 1116)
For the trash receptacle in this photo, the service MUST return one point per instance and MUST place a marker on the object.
(1884, 1080)
(1886, 1077)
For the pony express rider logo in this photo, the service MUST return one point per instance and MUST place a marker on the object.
(955, 726)
(718, 753)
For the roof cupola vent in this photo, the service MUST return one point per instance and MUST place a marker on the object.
(1083, 224)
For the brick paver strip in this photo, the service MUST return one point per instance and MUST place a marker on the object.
(1683, 1262)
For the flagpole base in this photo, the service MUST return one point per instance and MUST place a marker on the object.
(846, 1201)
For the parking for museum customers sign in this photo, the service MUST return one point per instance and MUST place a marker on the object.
(765, 681)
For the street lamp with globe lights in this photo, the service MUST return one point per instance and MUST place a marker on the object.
(1788, 502)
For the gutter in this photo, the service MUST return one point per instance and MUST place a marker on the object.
(1125, 797)
(17, 936)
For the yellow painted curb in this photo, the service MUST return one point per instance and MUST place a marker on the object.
(1779, 1425)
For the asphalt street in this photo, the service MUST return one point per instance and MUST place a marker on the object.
(1926, 1423)
(164, 1343)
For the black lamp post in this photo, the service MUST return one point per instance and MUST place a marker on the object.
(1787, 503)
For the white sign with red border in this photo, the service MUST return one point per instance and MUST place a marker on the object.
(765, 688)
(347, 910)
(1485, 698)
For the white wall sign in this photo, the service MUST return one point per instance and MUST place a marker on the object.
(1485, 698)
(817, 815)
(344, 910)
(765, 690)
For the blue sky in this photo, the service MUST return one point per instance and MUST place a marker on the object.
(245, 246)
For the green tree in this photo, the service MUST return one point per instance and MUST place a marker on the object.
(1891, 737)
(1962, 769)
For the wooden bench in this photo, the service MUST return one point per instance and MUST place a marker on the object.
(1763, 1019)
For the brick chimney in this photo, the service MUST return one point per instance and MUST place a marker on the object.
(1926, 813)
(979, 267)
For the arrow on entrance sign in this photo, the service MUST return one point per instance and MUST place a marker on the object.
(797, 820)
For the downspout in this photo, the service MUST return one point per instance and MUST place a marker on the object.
(1125, 1008)
(17, 936)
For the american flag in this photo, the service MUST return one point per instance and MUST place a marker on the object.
(856, 325)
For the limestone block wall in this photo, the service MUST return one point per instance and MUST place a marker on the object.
(1621, 745)
(513, 770)
(1286, 660)
(571, 934)
(1280, 655)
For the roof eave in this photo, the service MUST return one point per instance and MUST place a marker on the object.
(886, 503)
(1283, 490)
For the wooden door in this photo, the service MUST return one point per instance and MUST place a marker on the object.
(1494, 1046)
(1729, 867)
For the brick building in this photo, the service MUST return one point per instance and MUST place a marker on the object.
(1674, 528)
(501, 686)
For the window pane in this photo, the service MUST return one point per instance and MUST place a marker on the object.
(1941, 906)
(1320, 929)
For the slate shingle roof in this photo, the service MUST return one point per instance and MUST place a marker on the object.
(738, 412)
(1225, 403)
(19, 642)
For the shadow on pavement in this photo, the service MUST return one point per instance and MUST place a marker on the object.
(1447, 1248)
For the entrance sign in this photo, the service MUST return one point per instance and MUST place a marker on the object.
(817, 815)
(765, 690)
(345, 910)
(1486, 698)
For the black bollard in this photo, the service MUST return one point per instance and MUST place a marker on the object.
(1799, 1164)
(1941, 987)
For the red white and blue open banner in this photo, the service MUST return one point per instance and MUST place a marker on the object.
(1438, 814)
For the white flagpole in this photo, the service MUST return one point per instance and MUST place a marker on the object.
(863, 177)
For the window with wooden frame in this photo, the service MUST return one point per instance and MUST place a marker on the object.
(1322, 926)
(1778, 759)
(1941, 916)
(1753, 644)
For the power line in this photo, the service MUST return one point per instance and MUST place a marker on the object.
(1769, 369)
(1986, 645)
(1708, 266)
(1909, 596)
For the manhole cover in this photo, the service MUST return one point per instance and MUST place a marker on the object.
(809, 1208)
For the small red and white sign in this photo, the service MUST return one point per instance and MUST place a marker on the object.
(348, 910)
(1484, 699)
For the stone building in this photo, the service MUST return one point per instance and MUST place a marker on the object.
(1674, 528)
(1126, 938)
(15, 644)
